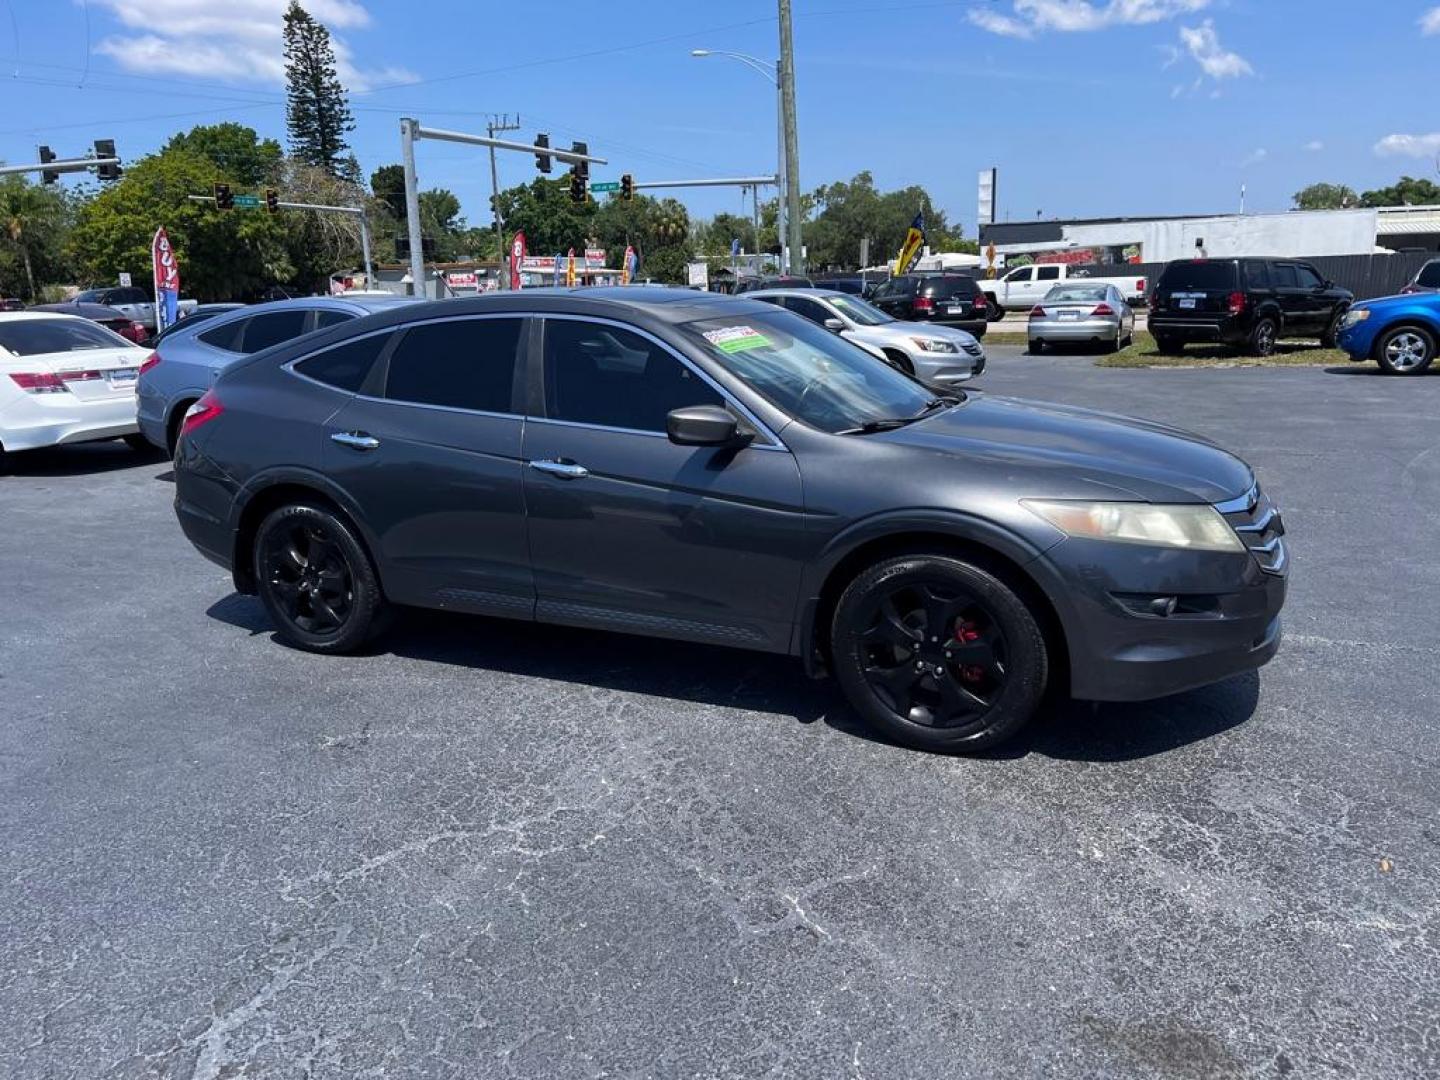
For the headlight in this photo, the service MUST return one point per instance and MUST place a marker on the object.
(1199, 528)
(934, 344)
(1355, 315)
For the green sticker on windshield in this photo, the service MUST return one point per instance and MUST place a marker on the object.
(733, 339)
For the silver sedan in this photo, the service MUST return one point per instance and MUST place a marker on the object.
(1076, 313)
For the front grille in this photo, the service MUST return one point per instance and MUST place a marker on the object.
(1256, 520)
(973, 348)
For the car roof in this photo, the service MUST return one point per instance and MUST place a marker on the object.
(84, 310)
(806, 294)
(42, 313)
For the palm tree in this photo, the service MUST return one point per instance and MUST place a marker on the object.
(29, 214)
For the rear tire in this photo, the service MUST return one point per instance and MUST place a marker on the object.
(1405, 350)
(316, 580)
(994, 312)
(1263, 336)
(1035, 348)
(172, 429)
(1166, 345)
(938, 654)
(140, 444)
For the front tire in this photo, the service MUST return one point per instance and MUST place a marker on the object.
(938, 654)
(1330, 338)
(1405, 350)
(316, 580)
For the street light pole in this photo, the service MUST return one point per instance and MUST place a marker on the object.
(792, 141)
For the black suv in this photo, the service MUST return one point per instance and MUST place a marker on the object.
(1247, 304)
(949, 299)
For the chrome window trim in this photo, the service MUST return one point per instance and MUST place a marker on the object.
(772, 442)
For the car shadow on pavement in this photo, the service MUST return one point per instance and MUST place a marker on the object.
(761, 682)
(80, 459)
(1374, 370)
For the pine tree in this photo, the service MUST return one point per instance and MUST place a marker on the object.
(316, 112)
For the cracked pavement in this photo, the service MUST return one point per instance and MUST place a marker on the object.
(501, 850)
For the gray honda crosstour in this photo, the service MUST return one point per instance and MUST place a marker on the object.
(716, 469)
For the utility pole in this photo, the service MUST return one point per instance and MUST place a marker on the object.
(499, 123)
(792, 141)
(408, 128)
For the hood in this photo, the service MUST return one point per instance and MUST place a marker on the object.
(1091, 454)
(1384, 303)
(902, 333)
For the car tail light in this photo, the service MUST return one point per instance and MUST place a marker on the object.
(924, 303)
(38, 382)
(1037, 312)
(150, 362)
(1236, 303)
(137, 333)
(1103, 309)
(1140, 284)
(201, 413)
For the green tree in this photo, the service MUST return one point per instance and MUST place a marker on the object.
(387, 183)
(236, 150)
(853, 211)
(223, 255)
(316, 111)
(1409, 191)
(320, 244)
(658, 229)
(542, 210)
(714, 236)
(33, 222)
(1324, 196)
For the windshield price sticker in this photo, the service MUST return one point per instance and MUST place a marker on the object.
(733, 339)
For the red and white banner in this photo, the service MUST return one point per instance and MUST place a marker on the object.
(462, 279)
(167, 280)
(594, 256)
(517, 256)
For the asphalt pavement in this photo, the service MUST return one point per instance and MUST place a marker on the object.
(499, 850)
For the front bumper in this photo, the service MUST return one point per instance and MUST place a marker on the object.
(946, 369)
(1358, 340)
(41, 420)
(1227, 621)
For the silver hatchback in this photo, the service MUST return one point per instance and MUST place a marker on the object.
(1075, 313)
(938, 356)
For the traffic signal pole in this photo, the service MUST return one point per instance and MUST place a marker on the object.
(411, 131)
(67, 166)
(358, 213)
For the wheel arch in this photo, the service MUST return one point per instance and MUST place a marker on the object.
(899, 359)
(175, 414)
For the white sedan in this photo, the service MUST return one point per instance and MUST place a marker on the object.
(64, 379)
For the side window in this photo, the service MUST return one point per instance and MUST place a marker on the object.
(345, 366)
(1025, 273)
(600, 374)
(1308, 278)
(331, 318)
(457, 363)
(132, 296)
(813, 310)
(1047, 273)
(224, 336)
(262, 331)
(1429, 276)
(1282, 276)
(1257, 275)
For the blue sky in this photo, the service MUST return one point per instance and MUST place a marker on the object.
(1088, 107)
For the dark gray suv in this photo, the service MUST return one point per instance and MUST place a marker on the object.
(680, 464)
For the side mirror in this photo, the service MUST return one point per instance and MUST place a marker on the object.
(834, 325)
(703, 425)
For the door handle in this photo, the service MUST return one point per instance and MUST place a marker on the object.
(356, 440)
(565, 470)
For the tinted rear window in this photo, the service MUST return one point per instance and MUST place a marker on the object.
(943, 287)
(346, 365)
(1429, 275)
(1198, 275)
(272, 328)
(35, 337)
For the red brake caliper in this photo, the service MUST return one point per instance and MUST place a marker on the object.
(965, 633)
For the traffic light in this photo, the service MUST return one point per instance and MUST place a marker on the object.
(272, 200)
(223, 199)
(542, 161)
(48, 176)
(577, 185)
(105, 148)
(581, 167)
(627, 187)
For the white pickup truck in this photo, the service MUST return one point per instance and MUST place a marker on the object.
(133, 302)
(1025, 286)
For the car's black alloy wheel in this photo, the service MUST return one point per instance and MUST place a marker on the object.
(316, 580)
(938, 653)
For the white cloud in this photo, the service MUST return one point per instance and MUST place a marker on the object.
(1416, 146)
(1255, 157)
(237, 39)
(1314, 146)
(1203, 44)
(1430, 21)
(1077, 16)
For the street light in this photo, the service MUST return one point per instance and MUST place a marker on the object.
(771, 72)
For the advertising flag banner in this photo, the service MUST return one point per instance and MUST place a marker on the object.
(570, 269)
(628, 267)
(517, 255)
(167, 280)
(910, 250)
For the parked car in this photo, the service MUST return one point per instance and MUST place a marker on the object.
(715, 469)
(112, 319)
(855, 286)
(1247, 304)
(195, 318)
(64, 379)
(948, 299)
(1079, 313)
(183, 366)
(1022, 288)
(939, 356)
(11, 303)
(784, 282)
(1427, 279)
(1400, 333)
(134, 302)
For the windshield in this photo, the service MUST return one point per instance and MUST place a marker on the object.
(860, 312)
(811, 374)
(1076, 292)
(36, 337)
